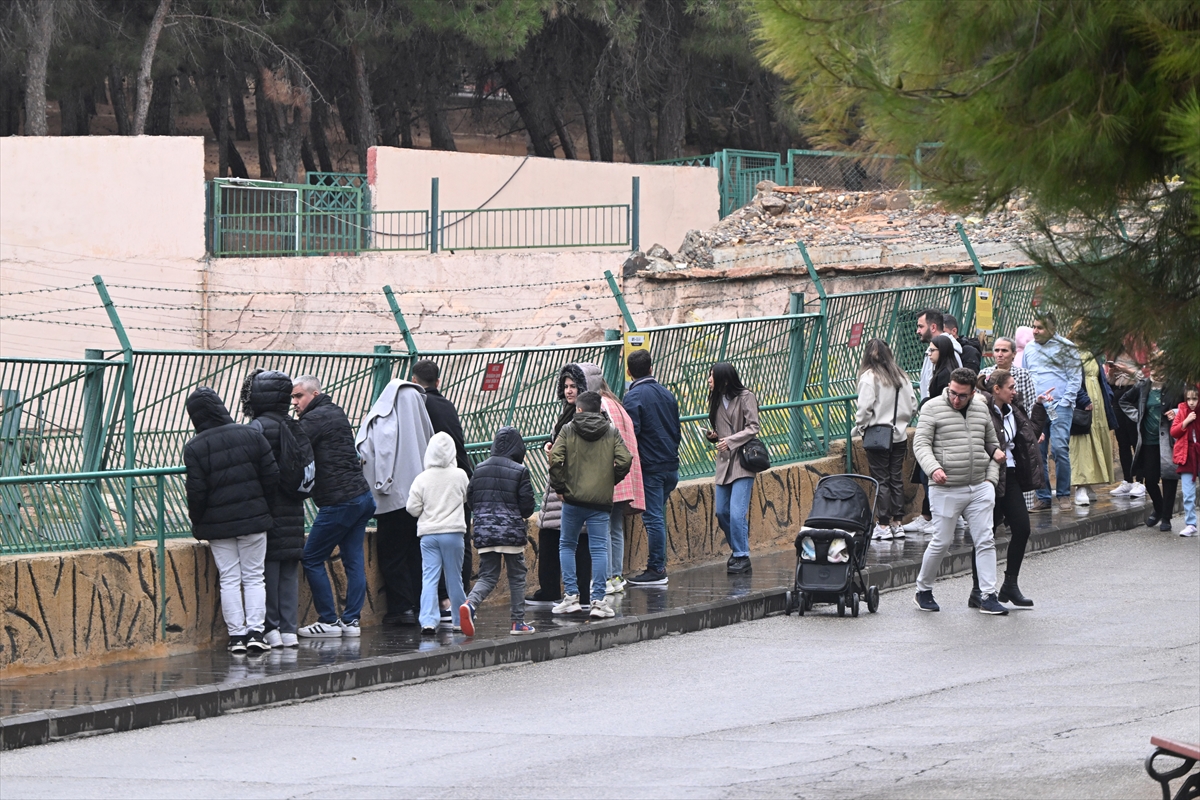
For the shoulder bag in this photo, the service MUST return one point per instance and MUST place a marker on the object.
(878, 438)
(754, 456)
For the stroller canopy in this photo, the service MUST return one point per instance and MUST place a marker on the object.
(840, 501)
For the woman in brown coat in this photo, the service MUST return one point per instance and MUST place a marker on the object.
(733, 417)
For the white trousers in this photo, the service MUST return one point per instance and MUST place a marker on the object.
(240, 563)
(948, 503)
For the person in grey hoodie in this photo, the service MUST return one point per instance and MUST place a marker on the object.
(391, 442)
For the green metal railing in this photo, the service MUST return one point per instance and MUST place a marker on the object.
(527, 228)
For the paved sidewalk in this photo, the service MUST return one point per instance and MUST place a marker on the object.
(135, 694)
(1059, 701)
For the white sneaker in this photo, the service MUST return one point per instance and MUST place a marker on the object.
(274, 639)
(1138, 490)
(614, 585)
(350, 629)
(1081, 497)
(568, 605)
(601, 610)
(883, 533)
(919, 525)
(290, 640)
(1188, 530)
(1123, 490)
(897, 530)
(321, 630)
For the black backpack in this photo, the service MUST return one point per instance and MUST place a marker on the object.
(297, 467)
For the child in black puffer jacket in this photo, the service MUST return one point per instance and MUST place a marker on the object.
(501, 497)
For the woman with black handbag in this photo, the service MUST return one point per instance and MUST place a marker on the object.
(733, 421)
(1091, 442)
(886, 403)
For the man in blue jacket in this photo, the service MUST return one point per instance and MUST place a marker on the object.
(655, 414)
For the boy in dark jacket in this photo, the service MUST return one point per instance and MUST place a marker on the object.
(501, 495)
(231, 473)
(587, 462)
(266, 396)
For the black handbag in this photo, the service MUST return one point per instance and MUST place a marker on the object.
(1081, 422)
(878, 438)
(754, 456)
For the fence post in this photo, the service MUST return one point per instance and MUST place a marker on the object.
(127, 392)
(795, 374)
(635, 223)
(620, 298)
(816, 279)
(400, 323)
(435, 223)
(962, 234)
(915, 179)
(93, 441)
(160, 509)
(610, 365)
(956, 304)
(382, 372)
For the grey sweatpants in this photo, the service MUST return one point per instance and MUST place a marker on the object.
(283, 595)
(489, 576)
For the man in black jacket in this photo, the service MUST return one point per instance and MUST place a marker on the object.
(972, 350)
(443, 416)
(231, 473)
(346, 505)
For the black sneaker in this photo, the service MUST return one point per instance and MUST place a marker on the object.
(1165, 525)
(732, 558)
(973, 600)
(1151, 520)
(237, 645)
(988, 604)
(446, 620)
(428, 631)
(649, 578)
(739, 566)
(542, 598)
(925, 601)
(256, 643)
(405, 618)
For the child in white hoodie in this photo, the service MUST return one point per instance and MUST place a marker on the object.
(436, 499)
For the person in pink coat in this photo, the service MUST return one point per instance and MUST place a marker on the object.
(629, 496)
(1021, 337)
(1185, 431)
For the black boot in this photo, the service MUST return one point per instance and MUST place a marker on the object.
(973, 599)
(1010, 593)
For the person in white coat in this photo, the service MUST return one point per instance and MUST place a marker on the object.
(392, 442)
(885, 397)
(436, 500)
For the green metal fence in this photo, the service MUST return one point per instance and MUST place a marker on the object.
(525, 228)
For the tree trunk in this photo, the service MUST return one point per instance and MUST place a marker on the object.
(289, 103)
(346, 114)
(590, 130)
(440, 135)
(604, 128)
(73, 113)
(217, 109)
(145, 86)
(316, 134)
(560, 129)
(525, 100)
(119, 100)
(306, 156)
(672, 117)
(364, 110)
(10, 105)
(237, 92)
(161, 119)
(262, 122)
(40, 35)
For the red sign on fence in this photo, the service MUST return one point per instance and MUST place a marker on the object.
(491, 378)
(856, 332)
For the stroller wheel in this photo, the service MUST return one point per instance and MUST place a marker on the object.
(873, 599)
(787, 603)
(854, 605)
(841, 605)
(802, 603)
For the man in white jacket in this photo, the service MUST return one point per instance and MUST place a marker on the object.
(436, 500)
(392, 442)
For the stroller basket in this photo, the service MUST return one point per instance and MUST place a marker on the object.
(840, 501)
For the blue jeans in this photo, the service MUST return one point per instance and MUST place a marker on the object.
(441, 553)
(1058, 441)
(342, 526)
(1188, 482)
(733, 513)
(616, 538)
(573, 519)
(659, 486)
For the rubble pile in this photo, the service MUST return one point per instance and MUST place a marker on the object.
(783, 215)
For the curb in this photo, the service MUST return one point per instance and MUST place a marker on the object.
(201, 702)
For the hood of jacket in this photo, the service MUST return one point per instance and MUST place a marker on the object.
(269, 391)
(508, 444)
(574, 372)
(440, 453)
(593, 375)
(244, 396)
(207, 410)
(590, 425)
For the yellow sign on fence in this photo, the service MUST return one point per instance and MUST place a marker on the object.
(983, 314)
(634, 340)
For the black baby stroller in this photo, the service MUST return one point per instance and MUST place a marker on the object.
(831, 549)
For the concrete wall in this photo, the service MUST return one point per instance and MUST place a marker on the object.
(73, 609)
(674, 200)
(130, 209)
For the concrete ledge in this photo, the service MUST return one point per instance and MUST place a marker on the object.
(207, 701)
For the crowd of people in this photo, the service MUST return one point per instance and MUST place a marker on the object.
(985, 438)
(983, 442)
(407, 467)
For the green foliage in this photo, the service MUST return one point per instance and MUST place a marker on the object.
(1088, 106)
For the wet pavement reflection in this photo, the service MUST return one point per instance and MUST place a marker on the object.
(687, 587)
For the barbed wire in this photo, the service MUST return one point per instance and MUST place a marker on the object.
(29, 314)
(46, 290)
(253, 332)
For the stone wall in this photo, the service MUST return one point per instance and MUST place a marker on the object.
(72, 609)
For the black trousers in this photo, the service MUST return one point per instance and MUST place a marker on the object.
(1149, 468)
(1126, 435)
(1010, 509)
(887, 467)
(550, 568)
(399, 553)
